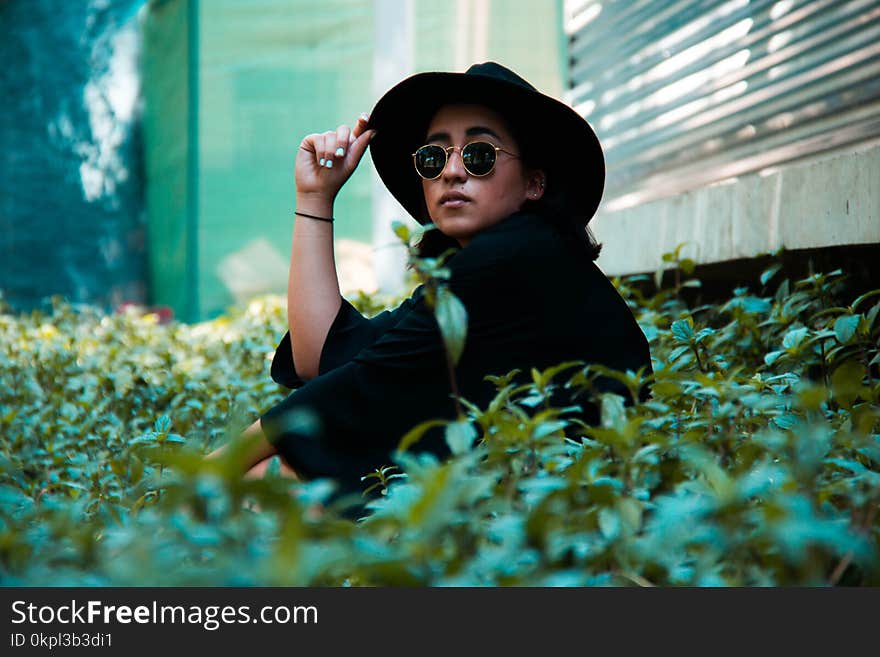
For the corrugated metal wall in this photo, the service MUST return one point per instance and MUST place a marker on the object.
(683, 94)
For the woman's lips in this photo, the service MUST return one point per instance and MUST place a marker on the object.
(452, 199)
(454, 203)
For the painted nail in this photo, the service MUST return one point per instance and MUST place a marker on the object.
(365, 116)
(322, 162)
(340, 151)
(329, 164)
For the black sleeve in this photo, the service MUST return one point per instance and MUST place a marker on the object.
(364, 406)
(350, 333)
(485, 280)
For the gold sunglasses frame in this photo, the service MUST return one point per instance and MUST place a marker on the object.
(447, 150)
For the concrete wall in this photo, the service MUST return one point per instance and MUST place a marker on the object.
(831, 200)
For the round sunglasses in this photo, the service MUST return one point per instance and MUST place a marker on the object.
(478, 158)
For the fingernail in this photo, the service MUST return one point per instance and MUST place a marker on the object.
(340, 151)
(372, 134)
(322, 161)
(365, 116)
(329, 164)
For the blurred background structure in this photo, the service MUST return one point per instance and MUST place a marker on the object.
(740, 126)
(148, 146)
(72, 212)
(231, 89)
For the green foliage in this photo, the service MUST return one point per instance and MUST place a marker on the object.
(449, 311)
(756, 461)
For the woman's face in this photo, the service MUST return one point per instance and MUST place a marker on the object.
(487, 199)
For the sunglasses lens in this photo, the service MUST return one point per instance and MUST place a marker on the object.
(430, 161)
(478, 157)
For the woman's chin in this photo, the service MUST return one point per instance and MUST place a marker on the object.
(463, 227)
(459, 229)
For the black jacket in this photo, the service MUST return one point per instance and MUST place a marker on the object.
(532, 300)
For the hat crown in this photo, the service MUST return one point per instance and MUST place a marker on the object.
(496, 71)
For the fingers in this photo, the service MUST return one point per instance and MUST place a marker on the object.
(359, 145)
(331, 147)
(308, 143)
(342, 134)
(359, 139)
(326, 146)
(315, 143)
(359, 126)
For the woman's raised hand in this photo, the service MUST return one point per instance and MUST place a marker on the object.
(324, 161)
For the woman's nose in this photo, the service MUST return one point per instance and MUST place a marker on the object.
(454, 169)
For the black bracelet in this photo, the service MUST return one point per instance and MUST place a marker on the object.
(311, 216)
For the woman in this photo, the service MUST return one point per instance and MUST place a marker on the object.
(509, 177)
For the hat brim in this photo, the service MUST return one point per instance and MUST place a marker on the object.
(561, 140)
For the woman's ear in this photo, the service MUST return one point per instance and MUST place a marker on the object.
(536, 185)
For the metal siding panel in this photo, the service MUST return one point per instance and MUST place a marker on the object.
(694, 91)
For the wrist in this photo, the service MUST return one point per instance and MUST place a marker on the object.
(314, 204)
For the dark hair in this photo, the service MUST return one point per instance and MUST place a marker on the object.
(554, 209)
(434, 242)
(553, 205)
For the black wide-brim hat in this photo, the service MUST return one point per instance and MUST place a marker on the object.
(560, 141)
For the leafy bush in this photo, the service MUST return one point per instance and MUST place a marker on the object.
(755, 462)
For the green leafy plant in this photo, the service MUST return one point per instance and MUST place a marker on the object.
(754, 462)
(449, 311)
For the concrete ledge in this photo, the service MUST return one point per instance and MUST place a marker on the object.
(829, 201)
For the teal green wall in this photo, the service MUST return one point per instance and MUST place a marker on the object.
(270, 72)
